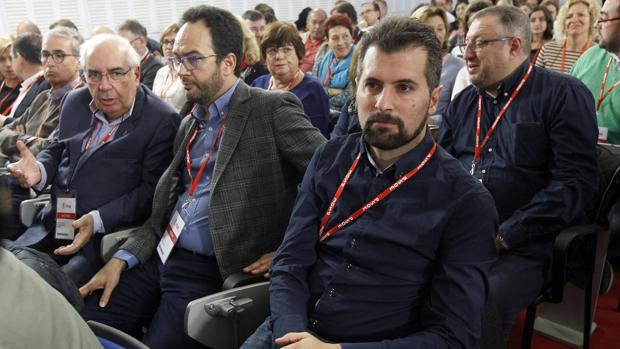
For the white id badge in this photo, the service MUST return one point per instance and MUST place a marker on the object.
(170, 236)
(602, 134)
(65, 215)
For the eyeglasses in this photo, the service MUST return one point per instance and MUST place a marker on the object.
(114, 75)
(189, 62)
(167, 42)
(57, 57)
(273, 51)
(605, 20)
(480, 44)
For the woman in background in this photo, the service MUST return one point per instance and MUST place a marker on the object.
(167, 84)
(541, 25)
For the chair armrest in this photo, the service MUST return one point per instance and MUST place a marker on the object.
(28, 209)
(116, 336)
(561, 251)
(112, 241)
(224, 320)
(241, 279)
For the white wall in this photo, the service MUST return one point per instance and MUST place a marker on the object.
(153, 14)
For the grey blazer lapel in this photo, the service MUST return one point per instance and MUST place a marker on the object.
(238, 111)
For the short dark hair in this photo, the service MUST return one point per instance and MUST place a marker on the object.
(548, 34)
(267, 11)
(64, 23)
(252, 15)
(28, 45)
(475, 6)
(279, 34)
(302, 18)
(399, 33)
(338, 20)
(347, 9)
(512, 21)
(226, 32)
(133, 26)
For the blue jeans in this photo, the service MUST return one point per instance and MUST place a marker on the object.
(262, 338)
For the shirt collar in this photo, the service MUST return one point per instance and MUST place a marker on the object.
(29, 81)
(101, 117)
(616, 59)
(508, 85)
(405, 164)
(57, 94)
(146, 52)
(217, 109)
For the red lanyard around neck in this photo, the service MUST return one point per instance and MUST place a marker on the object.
(583, 49)
(206, 158)
(105, 138)
(389, 190)
(329, 73)
(601, 97)
(478, 146)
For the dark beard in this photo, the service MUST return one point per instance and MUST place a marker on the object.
(206, 91)
(377, 137)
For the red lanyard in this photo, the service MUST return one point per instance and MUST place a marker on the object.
(389, 190)
(147, 56)
(613, 87)
(7, 109)
(105, 138)
(328, 73)
(478, 147)
(206, 158)
(583, 49)
(536, 55)
(290, 84)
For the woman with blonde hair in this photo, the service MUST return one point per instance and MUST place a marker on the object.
(167, 84)
(251, 65)
(577, 20)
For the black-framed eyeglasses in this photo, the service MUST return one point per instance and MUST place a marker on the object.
(57, 57)
(605, 20)
(167, 42)
(190, 62)
(479, 44)
(114, 75)
(285, 50)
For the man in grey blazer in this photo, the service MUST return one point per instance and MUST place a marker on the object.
(223, 202)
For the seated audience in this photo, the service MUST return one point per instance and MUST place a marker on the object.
(9, 88)
(333, 70)
(364, 279)
(114, 142)
(314, 39)
(577, 19)
(345, 8)
(136, 34)
(66, 23)
(599, 70)
(282, 49)
(255, 22)
(457, 28)
(383, 8)
(267, 11)
(302, 20)
(27, 26)
(26, 60)
(529, 136)
(232, 205)
(348, 120)
(251, 65)
(371, 14)
(553, 6)
(541, 25)
(435, 18)
(167, 84)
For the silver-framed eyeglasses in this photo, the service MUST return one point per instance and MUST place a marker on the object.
(284, 50)
(479, 44)
(114, 75)
(57, 56)
(190, 62)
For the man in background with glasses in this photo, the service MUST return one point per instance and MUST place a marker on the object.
(114, 141)
(599, 69)
(223, 204)
(529, 136)
(135, 33)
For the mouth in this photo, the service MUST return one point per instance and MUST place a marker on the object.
(383, 124)
(106, 102)
(187, 85)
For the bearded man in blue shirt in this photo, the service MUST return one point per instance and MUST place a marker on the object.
(390, 239)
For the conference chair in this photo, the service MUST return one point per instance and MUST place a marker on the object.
(111, 338)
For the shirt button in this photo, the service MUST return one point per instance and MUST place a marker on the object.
(208, 177)
(480, 180)
(315, 323)
(210, 129)
(349, 266)
(353, 242)
(505, 93)
(331, 292)
(490, 150)
(484, 171)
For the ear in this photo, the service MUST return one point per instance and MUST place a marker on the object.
(432, 107)
(516, 46)
(136, 73)
(227, 65)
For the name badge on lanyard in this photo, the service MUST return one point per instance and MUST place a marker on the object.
(170, 236)
(65, 215)
(602, 134)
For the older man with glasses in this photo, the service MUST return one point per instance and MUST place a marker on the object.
(599, 69)
(114, 142)
(529, 136)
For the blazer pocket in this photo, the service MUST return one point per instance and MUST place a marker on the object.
(530, 146)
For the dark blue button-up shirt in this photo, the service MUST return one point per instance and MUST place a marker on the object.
(412, 270)
(540, 164)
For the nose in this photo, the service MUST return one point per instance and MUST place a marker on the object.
(385, 100)
(105, 84)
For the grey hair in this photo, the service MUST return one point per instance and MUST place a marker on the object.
(513, 21)
(131, 56)
(68, 34)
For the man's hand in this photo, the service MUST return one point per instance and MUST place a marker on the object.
(300, 340)
(26, 169)
(106, 279)
(85, 226)
(261, 266)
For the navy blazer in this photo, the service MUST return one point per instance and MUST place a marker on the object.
(117, 178)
